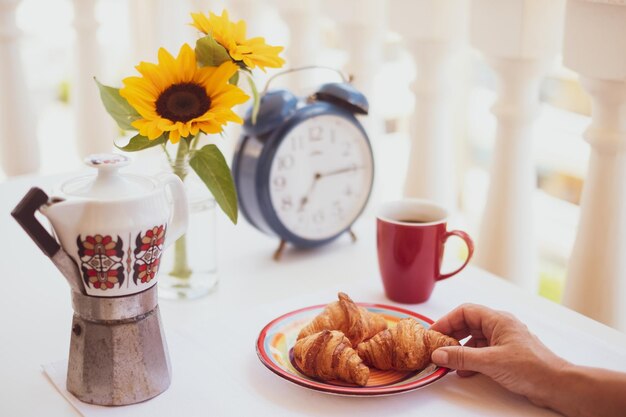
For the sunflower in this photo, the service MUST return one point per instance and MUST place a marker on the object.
(253, 52)
(178, 97)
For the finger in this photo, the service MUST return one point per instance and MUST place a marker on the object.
(464, 358)
(465, 374)
(467, 319)
(476, 342)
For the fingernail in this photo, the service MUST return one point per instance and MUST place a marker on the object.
(440, 357)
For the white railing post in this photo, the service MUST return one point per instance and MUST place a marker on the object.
(302, 19)
(594, 47)
(433, 31)
(249, 10)
(144, 30)
(94, 129)
(361, 27)
(519, 40)
(18, 134)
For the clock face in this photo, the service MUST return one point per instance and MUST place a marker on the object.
(321, 176)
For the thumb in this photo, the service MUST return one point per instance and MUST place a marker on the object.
(462, 358)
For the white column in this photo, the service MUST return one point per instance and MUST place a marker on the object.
(303, 21)
(594, 47)
(519, 39)
(361, 27)
(145, 36)
(94, 128)
(251, 11)
(434, 31)
(18, 136)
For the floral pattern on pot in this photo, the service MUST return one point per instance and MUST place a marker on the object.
(101, 261)
(148, 254)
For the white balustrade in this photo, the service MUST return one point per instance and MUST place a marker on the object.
(252, 11)
(519, 39)
(361, 27)
(433, 30)
(303, 20)
(595, 37)
(144, 30)
(18, 140)
(94, 129)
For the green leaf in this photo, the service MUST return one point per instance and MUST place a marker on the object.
(139, 143)
(234, 79)
(210, 165)
(209, 53)
(255, 99)
(117, 106)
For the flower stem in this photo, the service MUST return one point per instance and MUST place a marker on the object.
(181, 267)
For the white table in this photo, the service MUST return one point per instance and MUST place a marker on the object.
(35, 316)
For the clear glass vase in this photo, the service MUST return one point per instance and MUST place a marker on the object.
(189, 267)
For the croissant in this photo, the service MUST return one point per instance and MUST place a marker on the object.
(356, 323)
(406, 347)
(327, 355)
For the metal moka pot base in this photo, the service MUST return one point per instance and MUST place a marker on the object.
(118, 353)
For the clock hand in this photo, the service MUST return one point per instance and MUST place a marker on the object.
(341, 171)
(304, 200)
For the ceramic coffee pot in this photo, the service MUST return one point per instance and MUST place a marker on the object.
(115, 226)
(111, 228)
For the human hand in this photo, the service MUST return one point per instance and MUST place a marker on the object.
(500, 347)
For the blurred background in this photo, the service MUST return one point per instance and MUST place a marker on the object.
(128, 31)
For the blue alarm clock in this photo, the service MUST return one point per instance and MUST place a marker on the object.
(304, 170)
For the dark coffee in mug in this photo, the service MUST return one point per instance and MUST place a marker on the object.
(414, 221)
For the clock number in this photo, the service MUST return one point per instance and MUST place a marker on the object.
(315, 134)
(333, 137)
(337, 209)
(318, 217)
(286, 203)
(348, 191)
(347, 148)
(297, 143)
(285, 162)
(279, 182)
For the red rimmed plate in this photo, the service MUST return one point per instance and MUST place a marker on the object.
(275, 346)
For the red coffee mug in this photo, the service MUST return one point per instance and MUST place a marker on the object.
(411, 234)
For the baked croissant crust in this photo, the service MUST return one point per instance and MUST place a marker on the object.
(355, 322)
(406, 347)
(327, 355)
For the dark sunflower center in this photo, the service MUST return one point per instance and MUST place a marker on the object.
(182, 102)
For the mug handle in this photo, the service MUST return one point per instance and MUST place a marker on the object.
(470, 248)
(179, 219)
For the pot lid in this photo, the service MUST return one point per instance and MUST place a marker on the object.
(108, 183)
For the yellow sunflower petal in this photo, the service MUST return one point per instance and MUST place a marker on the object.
(222, 74)
(153, 130)
(210, 127)
(167, 65)
(239, 31)
(174, 136)
(200, 22)
(186, 63)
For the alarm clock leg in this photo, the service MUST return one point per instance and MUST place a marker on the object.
(279, 252)
(352, 235)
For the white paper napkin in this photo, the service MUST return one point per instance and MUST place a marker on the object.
(186, 394)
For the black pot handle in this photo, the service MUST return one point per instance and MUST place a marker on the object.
(24, 213)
